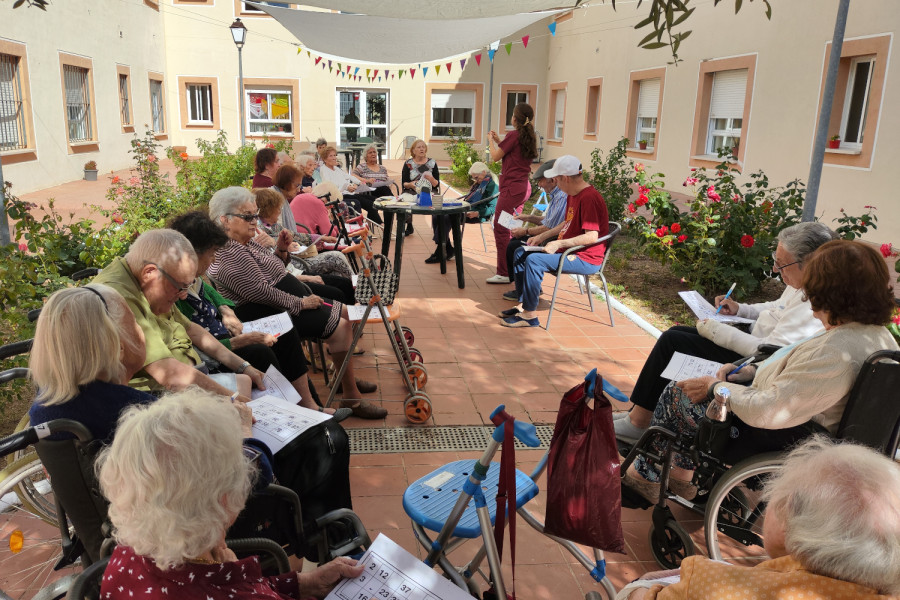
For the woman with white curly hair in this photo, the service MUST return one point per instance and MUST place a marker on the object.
(176, 478)
(832, 531)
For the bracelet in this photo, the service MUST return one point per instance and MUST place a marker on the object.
(242, 367)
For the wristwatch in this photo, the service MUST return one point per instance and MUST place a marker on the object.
(243, 367)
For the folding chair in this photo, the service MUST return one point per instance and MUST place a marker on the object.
(614, 229)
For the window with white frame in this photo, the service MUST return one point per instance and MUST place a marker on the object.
(12, 110)
(124, 101)
(513, 98)
(452, 113)
(856, 102)
(269, 111)
(559, 113)
(78, 103)
(157, 108)
(199, 103)
(647, 109)
(726, 110)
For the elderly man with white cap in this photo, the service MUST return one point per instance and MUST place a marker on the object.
(587, 220)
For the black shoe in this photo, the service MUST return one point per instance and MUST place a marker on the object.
(409, 227)
(451, 253)
(433, 259)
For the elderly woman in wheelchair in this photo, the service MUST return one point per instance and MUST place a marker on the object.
(800, 389)
(176, 478)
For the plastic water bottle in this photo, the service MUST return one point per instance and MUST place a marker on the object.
(718, 408)
(425, 194)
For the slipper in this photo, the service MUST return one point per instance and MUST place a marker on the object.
(518, 321)
(339, 413)
(509, 312)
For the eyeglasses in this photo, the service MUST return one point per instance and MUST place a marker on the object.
(245, 217)
(783, 267)
(181, 287)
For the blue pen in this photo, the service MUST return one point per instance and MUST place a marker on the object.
(727, 295)
(740, 366)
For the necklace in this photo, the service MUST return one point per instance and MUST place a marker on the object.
(204, 561)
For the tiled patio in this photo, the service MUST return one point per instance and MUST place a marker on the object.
(473, 365)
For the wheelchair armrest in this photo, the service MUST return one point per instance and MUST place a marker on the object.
(308, 230)
(88, 581)
(15, 348)
(766, 350)
(262, 546)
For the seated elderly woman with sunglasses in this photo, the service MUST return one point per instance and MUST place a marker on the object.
(800, 389)
(176, 479)
(258, 283)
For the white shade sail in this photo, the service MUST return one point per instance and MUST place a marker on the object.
(440, 9)
(386, 40)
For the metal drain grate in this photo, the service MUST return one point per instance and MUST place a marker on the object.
(430, 439)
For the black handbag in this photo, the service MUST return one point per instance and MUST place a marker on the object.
(386, 282)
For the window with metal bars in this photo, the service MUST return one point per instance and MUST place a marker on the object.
(157, 108)
(124, 108)
(199, 101)
(78, 103)
(12, 112)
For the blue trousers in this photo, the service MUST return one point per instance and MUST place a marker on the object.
(529, 273)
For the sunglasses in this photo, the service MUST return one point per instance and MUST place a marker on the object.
(246, 217)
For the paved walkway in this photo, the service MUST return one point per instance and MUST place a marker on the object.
(473, 365)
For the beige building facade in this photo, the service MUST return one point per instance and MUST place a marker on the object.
(110, 68)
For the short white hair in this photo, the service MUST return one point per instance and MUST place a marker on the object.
(163, 247)
(175, 475)
(227, 200)
(77, 340)
(840, 505)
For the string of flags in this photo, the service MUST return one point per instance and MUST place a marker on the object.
(372, 75)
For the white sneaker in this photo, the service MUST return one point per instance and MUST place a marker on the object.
(497, 279)
(627, 432)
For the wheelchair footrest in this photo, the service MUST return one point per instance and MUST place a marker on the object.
(429, 500)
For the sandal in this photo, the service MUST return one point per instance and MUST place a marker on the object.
(518, 321)
(509, 312)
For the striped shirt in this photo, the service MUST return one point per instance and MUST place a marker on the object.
(248, 274)
(363, 171)
(556, 211)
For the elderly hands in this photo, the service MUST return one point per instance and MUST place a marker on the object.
(319, 582)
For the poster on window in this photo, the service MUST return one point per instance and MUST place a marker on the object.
(258, 106)
(280, 107)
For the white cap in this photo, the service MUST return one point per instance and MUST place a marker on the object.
(564, 165)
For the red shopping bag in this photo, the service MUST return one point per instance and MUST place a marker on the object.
(584, 496)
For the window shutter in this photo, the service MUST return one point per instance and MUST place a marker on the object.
(455, 99)
(648, 98)
(728, 92)
(560, 105)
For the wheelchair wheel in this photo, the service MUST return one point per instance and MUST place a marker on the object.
(408, 334)
(415, 355)
(673, 546)
(733, 518)
(418, 373)
(417, 408)
(30, 547)
(34, 491)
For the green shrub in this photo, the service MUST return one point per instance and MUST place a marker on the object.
(614, 177)
(462, 154)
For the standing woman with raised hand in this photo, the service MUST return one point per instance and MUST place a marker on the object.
(517, 150)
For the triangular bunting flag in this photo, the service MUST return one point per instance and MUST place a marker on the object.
(392, 76)
(437, 69)
(448, 67)
(379, 79)
(478, 59)
(386, 73)
(552, 28)
(323, 66)
(343, 74)
(348, 68)
(375, 74)
(330, 69)
(318, 60)
(340, 68)
(329, 64)
(508, 47)
(299, 49)
(308, 55)
(525, 41)
(355, 71)
(491, 55)
(368, 71)
(425, 72)
(412, 73)
(462, 64)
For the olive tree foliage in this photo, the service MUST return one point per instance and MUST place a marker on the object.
(666, 15)
(41, 4)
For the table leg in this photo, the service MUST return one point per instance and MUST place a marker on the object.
(455, 221)
(388, 222)
(398, 245)
(441, 248)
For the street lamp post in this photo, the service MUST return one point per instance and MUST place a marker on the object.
(239, 35)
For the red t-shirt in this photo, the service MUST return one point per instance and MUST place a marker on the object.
(516, 168)
(586, 211)
(262, 181)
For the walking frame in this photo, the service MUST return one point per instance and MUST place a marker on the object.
(417, 405)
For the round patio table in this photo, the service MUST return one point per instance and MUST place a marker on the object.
(456, 209)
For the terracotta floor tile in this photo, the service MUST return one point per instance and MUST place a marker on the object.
(377, 481)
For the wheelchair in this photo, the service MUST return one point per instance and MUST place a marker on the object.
(730, 496)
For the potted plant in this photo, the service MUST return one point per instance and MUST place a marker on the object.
(90, 170)
(834, 142)
(642, 144)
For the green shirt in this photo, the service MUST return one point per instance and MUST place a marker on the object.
(166, 335)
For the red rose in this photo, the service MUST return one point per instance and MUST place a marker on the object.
(676, 227)
(184, 155)
(117, 218)
(631, 208)
(886, 250)
(642, 200)
(115, 179)
(682, 238)
(747, 241)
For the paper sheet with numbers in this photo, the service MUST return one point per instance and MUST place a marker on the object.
(392, 573)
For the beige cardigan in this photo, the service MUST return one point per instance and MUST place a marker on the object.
(810, 380)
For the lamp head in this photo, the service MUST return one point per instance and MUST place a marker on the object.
(238, 33)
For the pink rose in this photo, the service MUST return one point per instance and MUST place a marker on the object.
(151, 158)
(735, 197)
(886, 250)
(639, 168)
(134, 181)
(712, 195)
(690, 181)
(23, 247)
(120, 190)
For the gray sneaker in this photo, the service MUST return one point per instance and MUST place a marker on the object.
(627, 432)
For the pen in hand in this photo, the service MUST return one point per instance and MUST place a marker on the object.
(740, 366)
(727, 295)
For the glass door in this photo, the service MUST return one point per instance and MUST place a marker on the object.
(362, 114)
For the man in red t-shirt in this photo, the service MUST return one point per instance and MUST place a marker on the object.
(587, 220)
